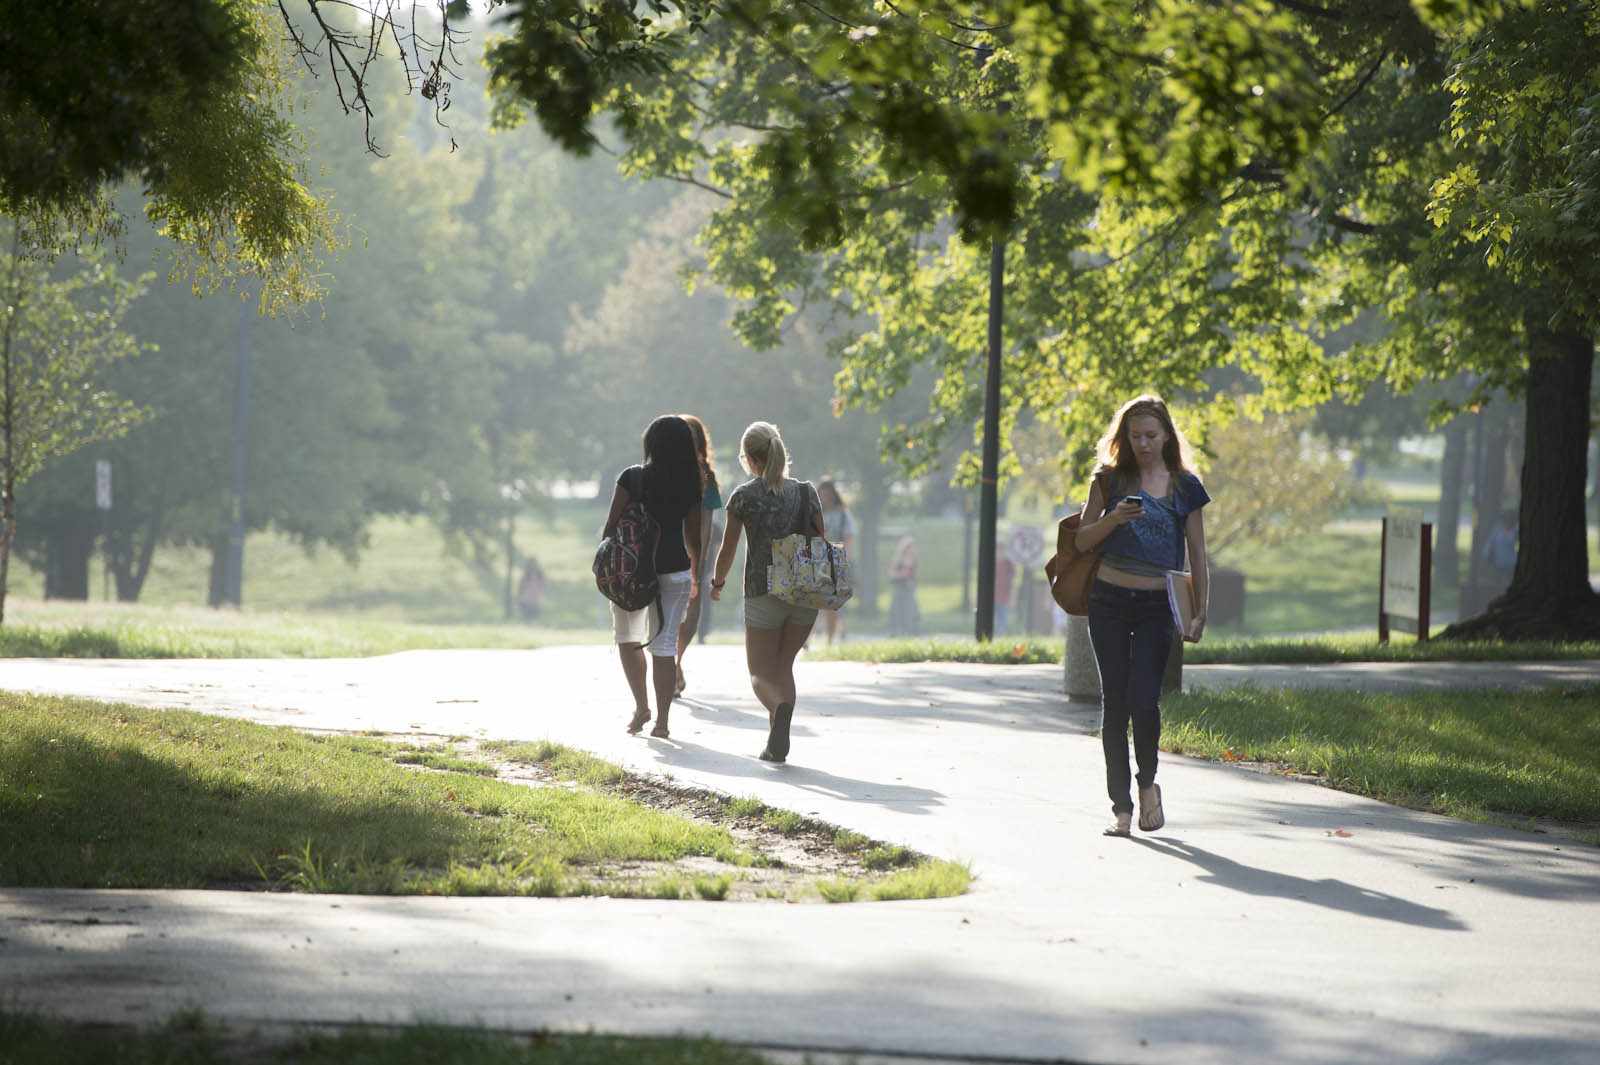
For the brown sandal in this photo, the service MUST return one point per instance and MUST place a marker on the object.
(641, 717)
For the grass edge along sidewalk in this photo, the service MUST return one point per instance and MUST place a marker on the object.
(189, 1038)
(104, 795)
(156, 634)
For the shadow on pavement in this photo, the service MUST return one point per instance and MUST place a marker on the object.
(735, 766)
(1334, 894)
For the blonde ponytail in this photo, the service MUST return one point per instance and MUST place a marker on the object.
(761, 443)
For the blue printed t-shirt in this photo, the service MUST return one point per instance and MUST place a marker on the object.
(1156, 536)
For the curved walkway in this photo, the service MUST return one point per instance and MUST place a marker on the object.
(1271, 920)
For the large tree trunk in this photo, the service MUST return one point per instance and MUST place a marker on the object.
(132, 544)
(1446, 559)
(1550, 597)
(67, 564)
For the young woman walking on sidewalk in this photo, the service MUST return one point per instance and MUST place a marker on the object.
(670, 487)
(1145, 504)
(769, 506)
(711, 503)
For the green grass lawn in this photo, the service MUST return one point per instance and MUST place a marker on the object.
(106, 796)
(1483, 755)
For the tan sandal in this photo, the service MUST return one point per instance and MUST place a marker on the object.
(1123, 827)
(1151, 816)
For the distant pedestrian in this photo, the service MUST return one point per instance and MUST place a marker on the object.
(1143, 510)
(670, 486)
(710, 504)
(530, 590)
(904, 617)
(839, 527)
(768, 506)
(1005, 592)
(1500, 552)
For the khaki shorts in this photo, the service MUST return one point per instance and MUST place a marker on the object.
(637, 626)
(768, 612)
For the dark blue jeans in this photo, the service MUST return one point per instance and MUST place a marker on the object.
(1131, 629)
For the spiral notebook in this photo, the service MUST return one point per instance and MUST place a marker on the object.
(1180, 597)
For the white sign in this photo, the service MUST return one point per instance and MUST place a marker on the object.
(1026, 546)
(1402, 567)
(102, 484)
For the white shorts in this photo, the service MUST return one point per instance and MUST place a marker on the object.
(638, 626)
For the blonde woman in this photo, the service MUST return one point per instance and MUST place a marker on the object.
(768, 506)
(1146, 506)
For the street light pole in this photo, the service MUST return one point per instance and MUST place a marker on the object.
(988, 503)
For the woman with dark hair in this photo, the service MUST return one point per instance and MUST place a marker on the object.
(1145, 503)
(669, 485)
(768, 506)
(711, 503)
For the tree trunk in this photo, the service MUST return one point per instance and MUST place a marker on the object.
(1446, 559)
(67, 564)
(1550, 597)
(132, 545)
(1488, 497)
(217, 586)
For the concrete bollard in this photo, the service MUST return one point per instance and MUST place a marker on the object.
(1081, 675)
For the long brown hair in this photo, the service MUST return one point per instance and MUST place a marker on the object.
(1115, 450)
(702, 447)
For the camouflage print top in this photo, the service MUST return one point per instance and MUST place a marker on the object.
(767, 516)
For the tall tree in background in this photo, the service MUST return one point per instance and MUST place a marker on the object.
(58, 332)
(1180, 194)
(187, 100)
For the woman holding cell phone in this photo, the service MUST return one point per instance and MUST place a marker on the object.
(1146, 505)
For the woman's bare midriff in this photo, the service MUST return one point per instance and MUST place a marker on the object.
(1111, 575)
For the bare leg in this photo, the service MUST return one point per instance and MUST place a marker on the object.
(686, 632)
(664, 673)
(633, 668)
(761, 647)
(771, 656)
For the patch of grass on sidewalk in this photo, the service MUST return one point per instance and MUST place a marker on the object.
(117, 796)
(1482, 755)
(189, 1039)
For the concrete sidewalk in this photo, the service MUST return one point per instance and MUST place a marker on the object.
(1271, 920)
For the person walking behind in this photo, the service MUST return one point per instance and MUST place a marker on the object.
(1145, 504)
(711, 502)
(769, 506)
(904, 617)
(669, 484)
(838, 527)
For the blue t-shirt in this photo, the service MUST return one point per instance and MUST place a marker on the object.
(1156, 536)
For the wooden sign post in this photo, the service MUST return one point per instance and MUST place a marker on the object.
(1403, 574)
